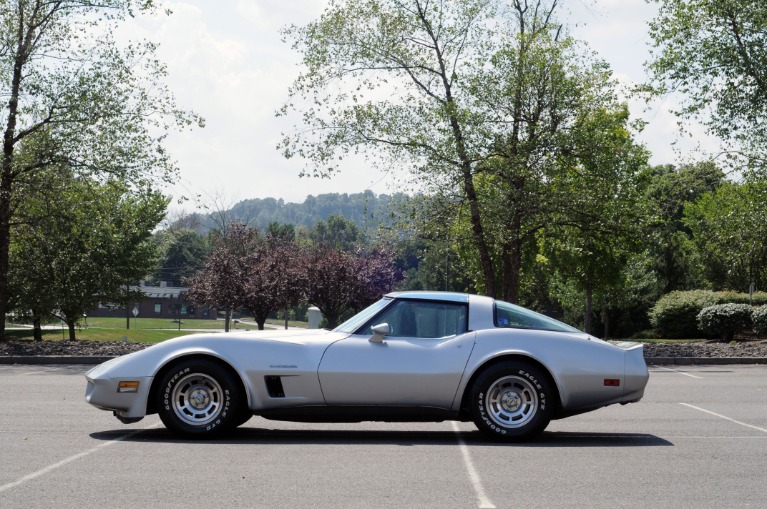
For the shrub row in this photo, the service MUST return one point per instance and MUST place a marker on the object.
(760, 320)
(725, 320)
(675, 315)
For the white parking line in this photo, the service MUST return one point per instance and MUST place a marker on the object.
(476, 481)
(51, 468)
(675, 371)
(724, 417)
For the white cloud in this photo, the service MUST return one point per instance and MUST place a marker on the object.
(226, 61)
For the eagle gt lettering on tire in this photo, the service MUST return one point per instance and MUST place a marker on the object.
(199, 398)
(512, 401)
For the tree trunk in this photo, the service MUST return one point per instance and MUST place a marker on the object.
(6, 180)
(478, 233)
(227, 319)
(5, 221)
(587, 317)
(37, 329)
(71, 326)
(466, 163)
(331, 317)
(5, 241)
(260, 318)
(512, 269)
(606, 320)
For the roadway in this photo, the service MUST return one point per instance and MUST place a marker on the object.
(698, 439)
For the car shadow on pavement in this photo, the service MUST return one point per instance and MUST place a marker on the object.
(262, 436)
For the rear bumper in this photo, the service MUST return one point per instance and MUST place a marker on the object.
(636, 373)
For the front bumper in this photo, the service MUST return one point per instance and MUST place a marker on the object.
(127, 406)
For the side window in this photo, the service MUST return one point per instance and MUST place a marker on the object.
(423, 319)
(509, 317)
(516, 317)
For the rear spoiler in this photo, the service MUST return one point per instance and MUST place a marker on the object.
(627, 345)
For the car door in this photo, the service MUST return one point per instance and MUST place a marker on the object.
(420, 363)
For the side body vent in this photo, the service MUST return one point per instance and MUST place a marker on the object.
(274, 386)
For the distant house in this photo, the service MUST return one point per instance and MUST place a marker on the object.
(160, 301)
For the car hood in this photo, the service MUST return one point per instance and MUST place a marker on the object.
(244, 350)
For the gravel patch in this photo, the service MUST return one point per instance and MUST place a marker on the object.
(71, 348)
(710, 349)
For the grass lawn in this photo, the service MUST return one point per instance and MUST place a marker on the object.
(280, 324)
(100, 334)
(152, 323)
(142, 330)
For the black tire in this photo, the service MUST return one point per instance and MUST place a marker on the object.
(512, 401)
(199, 398)
(243, 416)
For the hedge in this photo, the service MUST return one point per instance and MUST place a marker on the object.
(760, 320)
(725, 320)
(675, 315)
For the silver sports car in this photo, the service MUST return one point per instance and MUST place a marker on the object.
(411, 356)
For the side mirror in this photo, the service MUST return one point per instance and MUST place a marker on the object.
(379, 331)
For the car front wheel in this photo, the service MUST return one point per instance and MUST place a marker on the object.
(199, 398)
(512, 401)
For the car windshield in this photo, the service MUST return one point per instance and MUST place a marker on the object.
(515, 317)
(355, 322)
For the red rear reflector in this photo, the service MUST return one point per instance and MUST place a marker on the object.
(612, 382)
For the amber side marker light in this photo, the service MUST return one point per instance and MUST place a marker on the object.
(612, 382)
(127, 387)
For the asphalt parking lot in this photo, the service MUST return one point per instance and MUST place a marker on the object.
(697, 439)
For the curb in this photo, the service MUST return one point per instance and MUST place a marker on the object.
(716, 361)
(658, 361)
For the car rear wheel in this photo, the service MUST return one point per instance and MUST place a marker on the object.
(199, 398)
(512, 401)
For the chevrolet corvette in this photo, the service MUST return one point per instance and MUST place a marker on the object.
(411, 356)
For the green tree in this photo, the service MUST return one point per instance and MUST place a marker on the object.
(551, 101)
(397, 69)
(103, 107)
(184, 253)
(338, 232)
(715, 53)
(729, 227)
(430, 263)
(668, 190)
(84, 247)
(477, 95)
(281, 232)
(591, 237)
(31, 253)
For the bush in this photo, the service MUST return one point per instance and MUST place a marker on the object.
(758, 299)
(725, 320)
(675, 315)
(759, 318)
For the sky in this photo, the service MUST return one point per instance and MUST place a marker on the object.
(227, 62)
